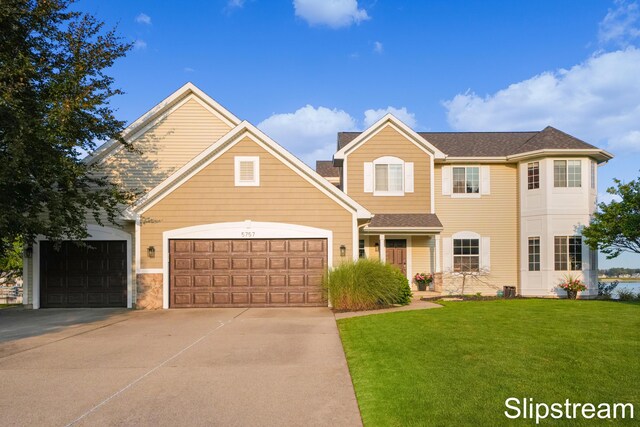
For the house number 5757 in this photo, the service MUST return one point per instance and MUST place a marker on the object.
(248, 234)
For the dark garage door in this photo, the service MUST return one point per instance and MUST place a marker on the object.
(243, 273)
(90, 276)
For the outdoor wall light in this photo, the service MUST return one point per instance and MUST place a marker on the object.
(343, 250)
(151, 252)
(28, 251)
(377, 247)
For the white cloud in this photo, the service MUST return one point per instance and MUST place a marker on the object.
(621, 25)
(333, 13)
(235, 4)
(139, 44)
(372, 116)
(188, 70)
(377, 47)
(310, 133)
(597, 101)
(143, 18)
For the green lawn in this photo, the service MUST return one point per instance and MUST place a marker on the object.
(458, 364)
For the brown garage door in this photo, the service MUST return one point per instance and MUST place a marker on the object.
(243, 273)
(90, 276)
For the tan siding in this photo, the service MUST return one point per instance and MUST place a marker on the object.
(167, 146)
(371, 248)
(212, 197)
(494, 216)
(389, 142)
(420, 254)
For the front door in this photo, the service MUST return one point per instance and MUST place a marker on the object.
(396, 252)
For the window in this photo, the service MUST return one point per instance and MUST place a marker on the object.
(466, 180)
(247, 171)
(593, 174)
(568, 253)
(388, 178)
(534, 253)
(533, 175)
(361, 251)
(466, 255)
(567, 173)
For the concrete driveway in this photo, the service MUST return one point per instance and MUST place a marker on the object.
(235, 367)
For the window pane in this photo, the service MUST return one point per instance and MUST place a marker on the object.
(458, 180)
(466, 255)
(533, 175)
(534, 254)
(395, 177)
(382, 178)
(246, 171)
(559, 173)
(575, 253)
(593, 174)
(473, 180)
(361, 251)
(574, 173)
(560, 253)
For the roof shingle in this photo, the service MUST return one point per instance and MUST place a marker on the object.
(491, 144)
(405, 220)
(326, 169)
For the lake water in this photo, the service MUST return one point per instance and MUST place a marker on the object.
(631, 286)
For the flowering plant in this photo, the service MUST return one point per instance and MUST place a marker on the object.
(422, 279)
(572, 285)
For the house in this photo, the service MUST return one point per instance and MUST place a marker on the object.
(227, 217)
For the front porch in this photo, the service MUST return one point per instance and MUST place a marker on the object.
(411, 242)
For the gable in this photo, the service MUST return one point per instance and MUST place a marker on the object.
(166, 145)
(227, 142)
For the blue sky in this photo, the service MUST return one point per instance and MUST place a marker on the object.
(304, 69)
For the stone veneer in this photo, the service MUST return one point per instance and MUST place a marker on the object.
(149, 291)
(437, 282)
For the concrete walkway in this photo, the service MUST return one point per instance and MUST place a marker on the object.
(239, 367)
(416, 304)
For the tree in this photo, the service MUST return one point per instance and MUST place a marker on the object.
(615, 227)
(54, 108)
(11, 263)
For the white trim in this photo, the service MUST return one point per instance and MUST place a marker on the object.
(398, 125)
(387, 161)
(96, 232)
(409, 271)
(137, 244)
(255, 160)
(246, 129)
(240, 230)
(150, 271)
(383, 254)
(344, 177)
(153, 115)
(466, 235)
(432, 194)
(437, 249)
(25, 276)
(466, 195)
(596, 153)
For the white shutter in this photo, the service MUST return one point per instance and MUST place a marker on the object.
(447, 255)
(485, 254)
(485, 183)
(446, 180)
(408, 177)
(368, 177)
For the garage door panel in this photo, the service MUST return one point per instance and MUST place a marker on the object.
(202, 264)
(89, 275)
(182, 246)
(182, 264)
(253, 272)
(259, 246)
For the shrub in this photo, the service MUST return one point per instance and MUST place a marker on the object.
(366, 284)
(626, 295)
(605, 289)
